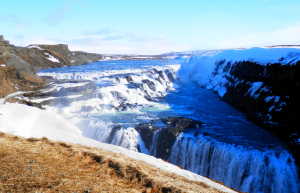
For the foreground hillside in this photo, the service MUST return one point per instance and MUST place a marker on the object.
(41, 165)
(61, 163)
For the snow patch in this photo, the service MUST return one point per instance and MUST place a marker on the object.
(51, 58)
(255, 86)
(271, 108)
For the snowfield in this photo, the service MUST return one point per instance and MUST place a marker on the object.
(25, 121)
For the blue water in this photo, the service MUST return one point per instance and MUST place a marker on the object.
(227, 147)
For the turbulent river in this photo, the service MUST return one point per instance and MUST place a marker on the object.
(226, 147)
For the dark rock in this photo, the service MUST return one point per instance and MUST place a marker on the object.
(150, 84)
(146, 131)
(129, 79)
(113, 132)
(160, 80)
(149, 98)
(117, 79)
(161, 74)
(167, 135)
(278, 80)
(117, 95)
(171, 75)
(176, 125)
(140, 86)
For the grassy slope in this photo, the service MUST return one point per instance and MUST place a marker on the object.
(41, 165)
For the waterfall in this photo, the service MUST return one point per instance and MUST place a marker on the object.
(154, 143)
(127, 97)
(237, 167)
(106, 132)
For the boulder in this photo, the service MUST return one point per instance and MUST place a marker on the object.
(150, 84)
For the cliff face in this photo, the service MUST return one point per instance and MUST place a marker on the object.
(18, 65)
(275, 104)
(263, 83)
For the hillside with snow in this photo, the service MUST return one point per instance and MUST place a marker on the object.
(164, 108)
(31, 122)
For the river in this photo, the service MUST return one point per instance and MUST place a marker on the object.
(226, 148)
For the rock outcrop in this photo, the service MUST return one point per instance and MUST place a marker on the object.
(275, 104)
(59, 93)
(268, 94)
(166, 135)
(18, 65)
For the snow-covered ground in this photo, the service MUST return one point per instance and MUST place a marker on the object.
(51, 58)
(200, 68)
(25, 121)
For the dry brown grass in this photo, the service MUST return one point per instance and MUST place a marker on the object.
(41, 165)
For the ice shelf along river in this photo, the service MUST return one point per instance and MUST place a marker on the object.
(226, 147)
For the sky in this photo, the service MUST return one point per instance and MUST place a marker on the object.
(150, 27)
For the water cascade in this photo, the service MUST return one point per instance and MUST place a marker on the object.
(226, 147)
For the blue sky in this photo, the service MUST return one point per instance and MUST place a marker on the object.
(150, 27)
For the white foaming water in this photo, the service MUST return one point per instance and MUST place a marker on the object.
(247, 170)
(260, 162)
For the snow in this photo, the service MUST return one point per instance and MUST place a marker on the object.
(255, 86)
(271, 108)
(2, 100)
(25, 121)
(52, 58)
(267, 99)
(35, 46)
(201, 68)
(276, 98)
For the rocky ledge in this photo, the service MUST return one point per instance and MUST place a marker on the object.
(58, 93)
(166, 131)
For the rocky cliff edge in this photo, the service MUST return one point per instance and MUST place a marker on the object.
(18, 65)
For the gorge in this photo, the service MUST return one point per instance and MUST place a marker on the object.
(166, 108)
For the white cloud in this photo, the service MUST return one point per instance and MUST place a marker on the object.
(287, 36)
(58, 15)
(145, 45)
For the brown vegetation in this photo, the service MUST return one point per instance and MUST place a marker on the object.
(41, 165)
